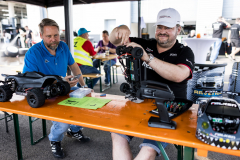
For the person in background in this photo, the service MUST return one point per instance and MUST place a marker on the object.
(83, 53)
(52, 57)
(29, 37)
(22, 34)
(234, 39)
(104, 46)
(6, 36)
(167, 61)
(217, 33)
(192, 34)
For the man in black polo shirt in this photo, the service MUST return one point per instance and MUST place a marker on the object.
(233, 37)
(217, 33)
(167, 61)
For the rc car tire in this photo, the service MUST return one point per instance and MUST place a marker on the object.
(124, 87)
(137, 52)
(5, 93)
(64, 87)
(35, 98)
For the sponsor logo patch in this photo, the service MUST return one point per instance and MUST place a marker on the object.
(173, 54)
(149, 50)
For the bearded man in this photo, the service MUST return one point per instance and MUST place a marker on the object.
(167, 61)
(52, 57)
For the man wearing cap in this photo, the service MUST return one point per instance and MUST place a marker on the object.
(83, 50)
(167, 61)
(217, 33)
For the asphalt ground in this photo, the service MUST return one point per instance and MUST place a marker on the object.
(100, 146)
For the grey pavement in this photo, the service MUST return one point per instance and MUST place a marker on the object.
(100, 146)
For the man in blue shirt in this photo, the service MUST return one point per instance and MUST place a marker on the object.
(51, 57)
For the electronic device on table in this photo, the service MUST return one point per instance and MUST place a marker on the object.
(136, 88)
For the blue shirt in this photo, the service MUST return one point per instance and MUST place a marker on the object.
(39, 59)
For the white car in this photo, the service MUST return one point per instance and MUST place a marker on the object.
(211, 80)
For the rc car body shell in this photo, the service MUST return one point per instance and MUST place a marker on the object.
(35, 85)
(33, 79)
(218, 123)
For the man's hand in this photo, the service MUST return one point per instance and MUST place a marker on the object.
(121, 33)
(104, 48)
(71, 83)
(145, 56)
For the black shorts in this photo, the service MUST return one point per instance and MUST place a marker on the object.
(235, 43)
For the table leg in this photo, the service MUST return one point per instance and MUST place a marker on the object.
(101, 89)
(99, 66)
(163, 151)
(43, 129)
(188, 153)
(110, 73)
(180, 152)
(17, 136)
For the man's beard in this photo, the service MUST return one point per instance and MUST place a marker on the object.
(165, 43)
(49, 45)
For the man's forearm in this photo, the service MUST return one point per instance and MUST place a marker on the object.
(112, 50)
(76, 71)
(228, 24)
(172, 72)
(229, 36)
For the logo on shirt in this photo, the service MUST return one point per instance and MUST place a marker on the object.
(189, 61)
(164, 16)
(173, 54)
(149, 50)
(46, 61)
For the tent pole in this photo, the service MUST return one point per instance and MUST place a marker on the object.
(68, 26)
(139, 19)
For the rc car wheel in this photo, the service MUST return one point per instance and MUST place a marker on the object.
(35, 98)
(5, 93)
(54, 90)
(137, 52)
(64, 88)
(124, 87)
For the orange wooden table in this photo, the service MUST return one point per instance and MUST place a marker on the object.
(120, 116)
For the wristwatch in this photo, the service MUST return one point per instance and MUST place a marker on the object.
(151, 57)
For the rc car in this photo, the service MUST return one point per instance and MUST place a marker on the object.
(138, 87)
(218, 123)
(211, 80)
(35, 85)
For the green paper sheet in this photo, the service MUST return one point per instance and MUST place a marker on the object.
(85, 102)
